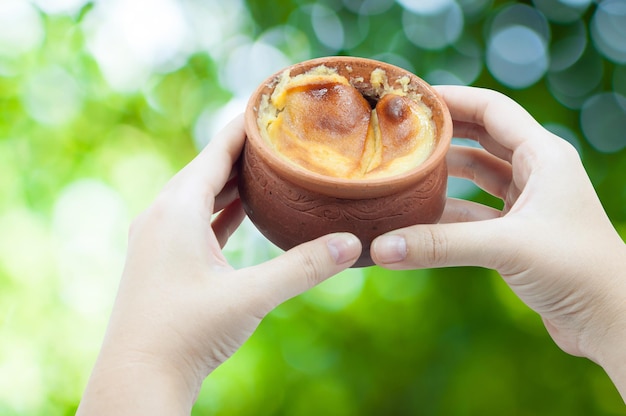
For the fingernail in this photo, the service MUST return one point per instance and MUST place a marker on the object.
(344, 247)
(390, 249)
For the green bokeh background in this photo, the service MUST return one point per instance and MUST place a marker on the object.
(81, 155)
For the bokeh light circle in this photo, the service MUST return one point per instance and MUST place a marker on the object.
(356, 27)
(89, 225)
(522, 15)
(327, 27)
(132, 39)
(573, 85)
(517, 46)
(608, 29)
(462, 64)
(21, 28)
(52, 96)
(368, 7)
(563, 11)
(473, 9)
(288, 39)
(443, 77)
(603, 121)
(236, 74)
(435, 27)
(426, 7)
(517, 56)
(568, 47)
(212, 120)
(70, 7)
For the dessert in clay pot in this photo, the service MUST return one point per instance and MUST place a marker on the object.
(343, 144)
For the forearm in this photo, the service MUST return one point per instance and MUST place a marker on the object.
(612, 358)
(135, 389)
(610, 352)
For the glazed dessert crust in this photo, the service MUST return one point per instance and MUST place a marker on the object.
(329, 124)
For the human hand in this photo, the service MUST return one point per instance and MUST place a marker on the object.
(552, 242)
(181, 309)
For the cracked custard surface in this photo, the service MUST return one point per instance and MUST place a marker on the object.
(322, 121)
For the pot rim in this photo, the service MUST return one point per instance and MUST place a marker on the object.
(342, 187)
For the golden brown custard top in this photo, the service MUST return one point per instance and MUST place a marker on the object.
(323, 123)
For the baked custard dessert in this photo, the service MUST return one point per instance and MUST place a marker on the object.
(347, 128)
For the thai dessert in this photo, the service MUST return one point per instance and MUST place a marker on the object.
(347, 127)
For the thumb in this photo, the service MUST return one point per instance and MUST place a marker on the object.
(305, 266)
(441, 245)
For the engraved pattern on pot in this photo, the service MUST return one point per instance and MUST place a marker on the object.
(334, 209)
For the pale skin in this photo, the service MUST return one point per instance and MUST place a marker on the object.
(552, 243)
(182, 310)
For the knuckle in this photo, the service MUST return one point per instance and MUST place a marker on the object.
(433, 248)
(310, 265)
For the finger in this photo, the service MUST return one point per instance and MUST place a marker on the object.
(442, 245)
(214, 163)
(459, 210)
(207, 173)
(464, 130)
(303, 267)
(227, 221)
(490, 173)
(502, 118)
(227, 195)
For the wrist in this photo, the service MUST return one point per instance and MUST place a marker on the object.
(606, 342)
(611, 356)
(135, 384)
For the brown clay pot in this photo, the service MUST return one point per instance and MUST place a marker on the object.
(290, 205)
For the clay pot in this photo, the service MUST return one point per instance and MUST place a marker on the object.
(290, 205)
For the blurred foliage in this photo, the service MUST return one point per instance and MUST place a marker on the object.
(82, 151)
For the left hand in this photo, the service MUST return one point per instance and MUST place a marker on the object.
(181, 309)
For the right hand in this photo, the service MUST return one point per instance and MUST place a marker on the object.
(552, 242)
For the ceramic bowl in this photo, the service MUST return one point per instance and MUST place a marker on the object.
(290, 205)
